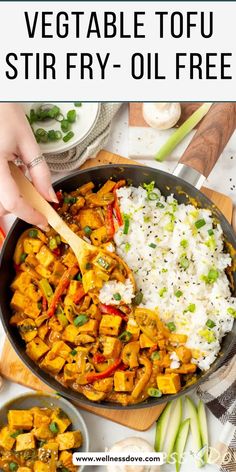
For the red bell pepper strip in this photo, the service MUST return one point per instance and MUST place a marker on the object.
(44, 304)
(57, 251)
(79, 294)
(62, 285)
(2, 236)
(109, 223)
(59, 197)
(98, 358)
(111, 310)
(93, 376)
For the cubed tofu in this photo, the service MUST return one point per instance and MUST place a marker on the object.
(183, 369)
(43, 433)
(66, 459)
(184, 354)
(43, 330)
(6, 441)
(40, 466)
(169, 383)
(51, 449)
(32, 309)
(110, 325)
(124, 381)
(28, 329)
(33, 293)
(58, 271)
(133, 328)
(145, 341)
(91, 327)
(90, 217)
(62, 420)
(52, 363)
(25, 441)
(104, 385)
(45, 273)
(31, 260)
(36, 349)
(40, 417)
(99, 236)
(106, 188)
(69, 334)
(45, 256)
(69, 440)
(73, 287)
(21, 282)
(32, 245)
(19, 301)
(178, 338)
(104, 262)
(71, 371)
(20, 419)
(61, 349)
(91, 281)
(69, 259)
(111, 347)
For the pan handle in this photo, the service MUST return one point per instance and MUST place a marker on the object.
(207, 144)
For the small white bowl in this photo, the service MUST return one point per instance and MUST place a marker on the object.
(44, 400)
(87, 116)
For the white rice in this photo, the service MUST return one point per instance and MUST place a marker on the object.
(158, 272)
(113, 288)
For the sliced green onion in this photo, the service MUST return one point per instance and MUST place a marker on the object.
(81, 320)
(52, 244)
(73, 352)
(33, 233)
(16, 433)
(127, 247)
(70, 199)
(184, 262)
(53, 112)
(88, 266)
(58, 239)
(178, 293)
(210, 232)
(154, 392)
(231, 311)
(78, 104)
(182, 131)
(125, 336)
(138, 298)
(153, 196)
(149, 187)
(71, 116)
(126, 224)
(87, 230)
(211, 277)
(41, 135)
(23, 257)
(65, 126)
(200, 223)
(152, 245)
(171, 326)
(191, 308)
(53, 427)
(160, 205)
(184, 243)
(68, 136)
(13, 466)
(117, 296)
(162, 291)
(210, 324)
(79, 276)
(155, 356)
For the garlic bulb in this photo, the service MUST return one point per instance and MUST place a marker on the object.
(127, 446)
(161, 115)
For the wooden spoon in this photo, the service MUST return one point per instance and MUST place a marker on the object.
(82, 250)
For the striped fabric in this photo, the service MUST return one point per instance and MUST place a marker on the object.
(219, 395)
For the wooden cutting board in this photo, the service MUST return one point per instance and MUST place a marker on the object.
(13, 369)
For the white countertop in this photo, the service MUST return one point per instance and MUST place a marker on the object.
(104, 433)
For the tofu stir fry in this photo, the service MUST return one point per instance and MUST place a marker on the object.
(90, 332)
(38, 440)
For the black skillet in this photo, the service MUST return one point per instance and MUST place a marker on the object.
(196, 164)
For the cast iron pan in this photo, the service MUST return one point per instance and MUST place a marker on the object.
(209, 141)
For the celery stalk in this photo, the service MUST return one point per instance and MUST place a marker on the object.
(182, 132)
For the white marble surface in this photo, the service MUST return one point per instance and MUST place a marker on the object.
(104, 433)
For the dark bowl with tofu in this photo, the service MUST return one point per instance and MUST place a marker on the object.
(136, 175)
(40, 432)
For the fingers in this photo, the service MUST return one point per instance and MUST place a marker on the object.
(40, 174)
(2, 211)
(12, 201)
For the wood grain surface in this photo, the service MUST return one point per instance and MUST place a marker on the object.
(211, 138)
(13, 369)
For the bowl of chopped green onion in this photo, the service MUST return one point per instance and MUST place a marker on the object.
(58, 127)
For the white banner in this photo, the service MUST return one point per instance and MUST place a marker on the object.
(117, 51)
